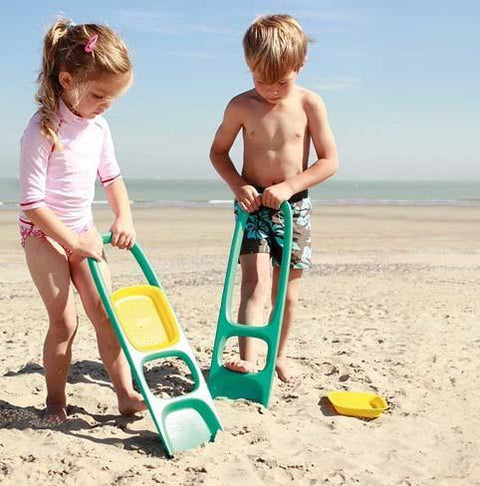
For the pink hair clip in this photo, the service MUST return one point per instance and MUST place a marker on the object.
(90, 45)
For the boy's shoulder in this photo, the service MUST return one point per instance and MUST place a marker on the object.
(310, 99)
(242, 99)
(238, 107)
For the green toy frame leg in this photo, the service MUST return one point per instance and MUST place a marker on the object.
(252, 386)
(182, 422)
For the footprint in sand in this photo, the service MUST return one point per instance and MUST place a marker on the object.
(337, 478)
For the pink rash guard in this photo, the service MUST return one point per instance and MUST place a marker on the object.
(65, 180)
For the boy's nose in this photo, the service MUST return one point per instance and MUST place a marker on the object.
(273, 90)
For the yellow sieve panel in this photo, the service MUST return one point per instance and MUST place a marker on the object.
(145, 317)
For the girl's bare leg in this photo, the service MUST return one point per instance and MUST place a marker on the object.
(129, 401)
(48, 266)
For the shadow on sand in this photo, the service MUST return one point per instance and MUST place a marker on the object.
(85, 371)
(170, 379)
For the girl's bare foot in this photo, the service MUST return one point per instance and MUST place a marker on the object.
(240, 366)
(131, 404)
(282, 370)
(55, 414)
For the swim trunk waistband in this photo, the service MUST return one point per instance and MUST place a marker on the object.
(295, 198)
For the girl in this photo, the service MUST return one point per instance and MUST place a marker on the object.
(65, 145)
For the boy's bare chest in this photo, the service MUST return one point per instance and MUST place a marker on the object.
(276, 128)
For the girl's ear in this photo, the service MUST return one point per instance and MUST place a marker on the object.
(65, 79)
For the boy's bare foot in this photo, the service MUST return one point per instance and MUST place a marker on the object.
(131, 404)
(240, 366)
(282, 371)
(55, 414)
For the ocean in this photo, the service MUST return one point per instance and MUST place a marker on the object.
(158, 192)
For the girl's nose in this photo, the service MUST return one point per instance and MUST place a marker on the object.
(106, 105)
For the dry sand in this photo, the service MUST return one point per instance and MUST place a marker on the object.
(390, 305)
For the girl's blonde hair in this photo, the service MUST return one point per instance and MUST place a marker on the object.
(274, 45)
(64, 50)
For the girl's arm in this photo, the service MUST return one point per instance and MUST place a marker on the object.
(110, 176)
(122, 228)
(86, 244)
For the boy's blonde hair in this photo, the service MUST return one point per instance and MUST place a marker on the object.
(274, 45)
(64, 50)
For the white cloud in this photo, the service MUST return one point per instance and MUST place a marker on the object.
(351, 53)
(191, 54)
(336, 84)
(161, 22)
(326, 16)
(166, 23)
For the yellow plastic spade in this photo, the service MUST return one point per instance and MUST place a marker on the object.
(358, 404)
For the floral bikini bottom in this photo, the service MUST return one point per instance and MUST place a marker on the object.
(28, 229)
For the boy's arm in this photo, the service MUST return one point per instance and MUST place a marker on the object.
(123, 230)
(324, 167)
(246, 195)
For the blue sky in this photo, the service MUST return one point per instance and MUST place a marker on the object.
(400, 80)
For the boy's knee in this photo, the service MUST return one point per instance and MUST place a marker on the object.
(255, 290)
(291, 300)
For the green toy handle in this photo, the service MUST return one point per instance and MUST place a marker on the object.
(137, 361)
(251, 386)
(235, 251)
(139, 256)
(104, 293)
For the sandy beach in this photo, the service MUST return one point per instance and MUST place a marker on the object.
(390, 306)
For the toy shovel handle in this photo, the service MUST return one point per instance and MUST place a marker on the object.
(139, 256)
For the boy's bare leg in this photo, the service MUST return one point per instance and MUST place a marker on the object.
(129, 401)
(254, 292)
(290, 306)
(48, 266)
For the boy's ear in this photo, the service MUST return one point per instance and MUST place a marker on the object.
(65, 79)
(302, 65)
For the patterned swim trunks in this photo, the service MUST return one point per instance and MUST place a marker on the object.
(265, 229)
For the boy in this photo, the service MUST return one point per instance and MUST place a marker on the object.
(278, 119)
